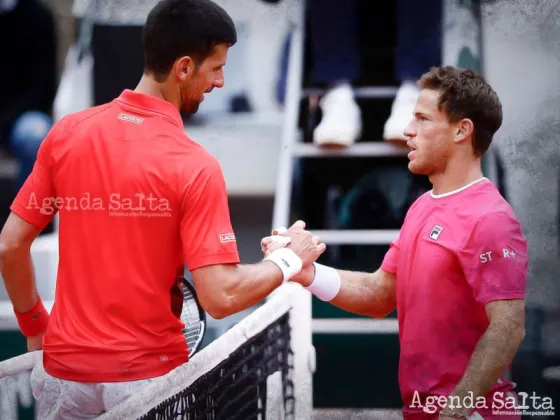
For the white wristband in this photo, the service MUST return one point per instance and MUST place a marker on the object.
(326, 283)
(287, 260)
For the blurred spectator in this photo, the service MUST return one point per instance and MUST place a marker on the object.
(28, 42)
(337, 64)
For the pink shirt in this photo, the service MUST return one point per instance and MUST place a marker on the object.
(455, 253)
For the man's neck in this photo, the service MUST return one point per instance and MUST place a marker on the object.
(457, 175)
(149, 86)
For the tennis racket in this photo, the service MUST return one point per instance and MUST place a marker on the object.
(193, 316)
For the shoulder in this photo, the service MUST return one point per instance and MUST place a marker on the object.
(76, 118)
(194, 165)
(490, 207)
(197, 156)
(418, 204)
(493, 226)
(63, 128)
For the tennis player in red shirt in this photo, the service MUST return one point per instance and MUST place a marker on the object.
(137, 199)
(457, 271)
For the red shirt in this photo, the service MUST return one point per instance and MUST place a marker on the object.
(455, 253)
(137, 198)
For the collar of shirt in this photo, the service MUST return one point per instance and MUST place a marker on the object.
(152, 104)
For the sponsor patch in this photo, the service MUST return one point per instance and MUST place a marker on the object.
(227, 237)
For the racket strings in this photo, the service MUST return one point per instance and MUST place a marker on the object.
(191, 319)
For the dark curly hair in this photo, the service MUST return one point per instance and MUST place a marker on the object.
(177, 28)
(465, 94)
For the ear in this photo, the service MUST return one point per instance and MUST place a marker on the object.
(183, 68)
(463, 130)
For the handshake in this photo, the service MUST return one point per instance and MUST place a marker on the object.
(295, 251)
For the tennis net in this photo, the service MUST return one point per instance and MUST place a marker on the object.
(259, 369)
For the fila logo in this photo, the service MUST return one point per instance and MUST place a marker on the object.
(227, 237)
(131, 118)
(436, 231)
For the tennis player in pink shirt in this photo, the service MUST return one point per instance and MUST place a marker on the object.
(457, 271)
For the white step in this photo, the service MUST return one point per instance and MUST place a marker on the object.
(231, 138)
(361, 92)
(355, 326)
(366, 149)
(552, 374)
(356, 237)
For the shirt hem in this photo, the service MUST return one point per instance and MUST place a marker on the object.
(389, 268)
(138, 374)
(502, 296)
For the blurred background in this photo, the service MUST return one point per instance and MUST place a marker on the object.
(309, 125)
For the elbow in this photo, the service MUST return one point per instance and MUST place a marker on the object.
(519, 335)
(220, 308)
(9, 251)
(516, 331)
(218, 312)
(9, 248)
(382, 307)
(2, 255)
(380, 313)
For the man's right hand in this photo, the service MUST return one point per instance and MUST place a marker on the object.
(306, 276)
(303, 243)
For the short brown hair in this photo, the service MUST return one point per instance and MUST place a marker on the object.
(465, 94)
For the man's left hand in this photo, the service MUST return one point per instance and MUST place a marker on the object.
(35, 343)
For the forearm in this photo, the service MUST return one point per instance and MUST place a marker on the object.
(225, 289)
(493, 353)
(364, 294)
(370, 294)
(19, 278)
(251, 283)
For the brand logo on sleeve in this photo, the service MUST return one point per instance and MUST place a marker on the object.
(227, 237)
(435, 232)
(504, 253)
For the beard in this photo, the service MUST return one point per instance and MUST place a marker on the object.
(421, 165)
(190, 101)
(191, 106)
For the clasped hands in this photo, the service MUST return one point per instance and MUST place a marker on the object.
(307, 247)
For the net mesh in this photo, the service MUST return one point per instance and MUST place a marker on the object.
(259, 369)
(237, 387)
